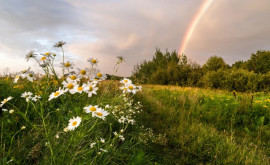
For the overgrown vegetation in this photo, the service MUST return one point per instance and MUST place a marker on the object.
(170, 69)
(209, 126)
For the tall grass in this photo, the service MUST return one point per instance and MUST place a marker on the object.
(206, 126)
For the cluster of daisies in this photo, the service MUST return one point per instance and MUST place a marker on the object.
(28, 74)
(29, 97)
(128, 87)
(73, 84)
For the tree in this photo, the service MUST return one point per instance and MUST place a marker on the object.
(259, 62)
(214, 63)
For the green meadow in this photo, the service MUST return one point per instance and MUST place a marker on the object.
(87, 117)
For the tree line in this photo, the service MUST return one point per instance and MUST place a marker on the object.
(167, 68)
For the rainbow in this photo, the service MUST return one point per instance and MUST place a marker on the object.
(196, 19)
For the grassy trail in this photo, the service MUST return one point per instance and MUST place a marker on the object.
(204, 126)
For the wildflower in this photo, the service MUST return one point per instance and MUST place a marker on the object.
(27, 96)
(92, 145)
(107, 106)
(67, 65)
(4, 110)
(91, 108)
(131, 88)
(121, 137)
(5, 101)
(124, 88)
(23, 127)
(126, 81)
(30, 76)
(47, 54)
(73, 78)
(73, 123)
(59, 44)
(121, 130)
(56, 136)
(93, 61)
(31, 54)
(103, 150)
(90, 88)
(11, 111)
(56, 94)
(122, 119)
(43, 58)
(16, 78)
(69, 86)
(66, 129)
(102, 140)
(120, 59)
(78, 89)
(100, 114)
(36, 98)
(115, 133)
(83, 72)
(100, 76)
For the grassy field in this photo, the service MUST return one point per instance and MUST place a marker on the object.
(208, 126)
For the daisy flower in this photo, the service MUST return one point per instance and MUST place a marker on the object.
(5, 101)
(126, 81)
(11, 111)
(67, 65)
(91, 108)
(36, 98)
(100, 113)
(124, 88)
(56, 94)
(78, 89)
(100, 76)
(90, 88)
(93, 61)
(92, 144)
(27, 95)
(102, 140)
(43, 58)
(30, 76)
(69, 85)
(83, 72)
(73, 78)
(16, 78)
(131, 88)
(73, 123)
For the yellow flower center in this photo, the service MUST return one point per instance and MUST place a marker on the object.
(43, 58)
(67, 64)
(56, 94)
(47, 53)
(99, 75)
(99, 114)
(83, 72)
(73, 77)
(5, 100)
(74, 123)
(125, 81)
(70, 86)
(90, 88)
(80, 88)
(30, 75)
(94, 61)
(17, 77)
(93, 109)
(125, 88)
(130, 87)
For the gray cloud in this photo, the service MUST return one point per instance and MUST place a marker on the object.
(133, 29)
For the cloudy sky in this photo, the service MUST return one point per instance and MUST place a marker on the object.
(105, 29)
